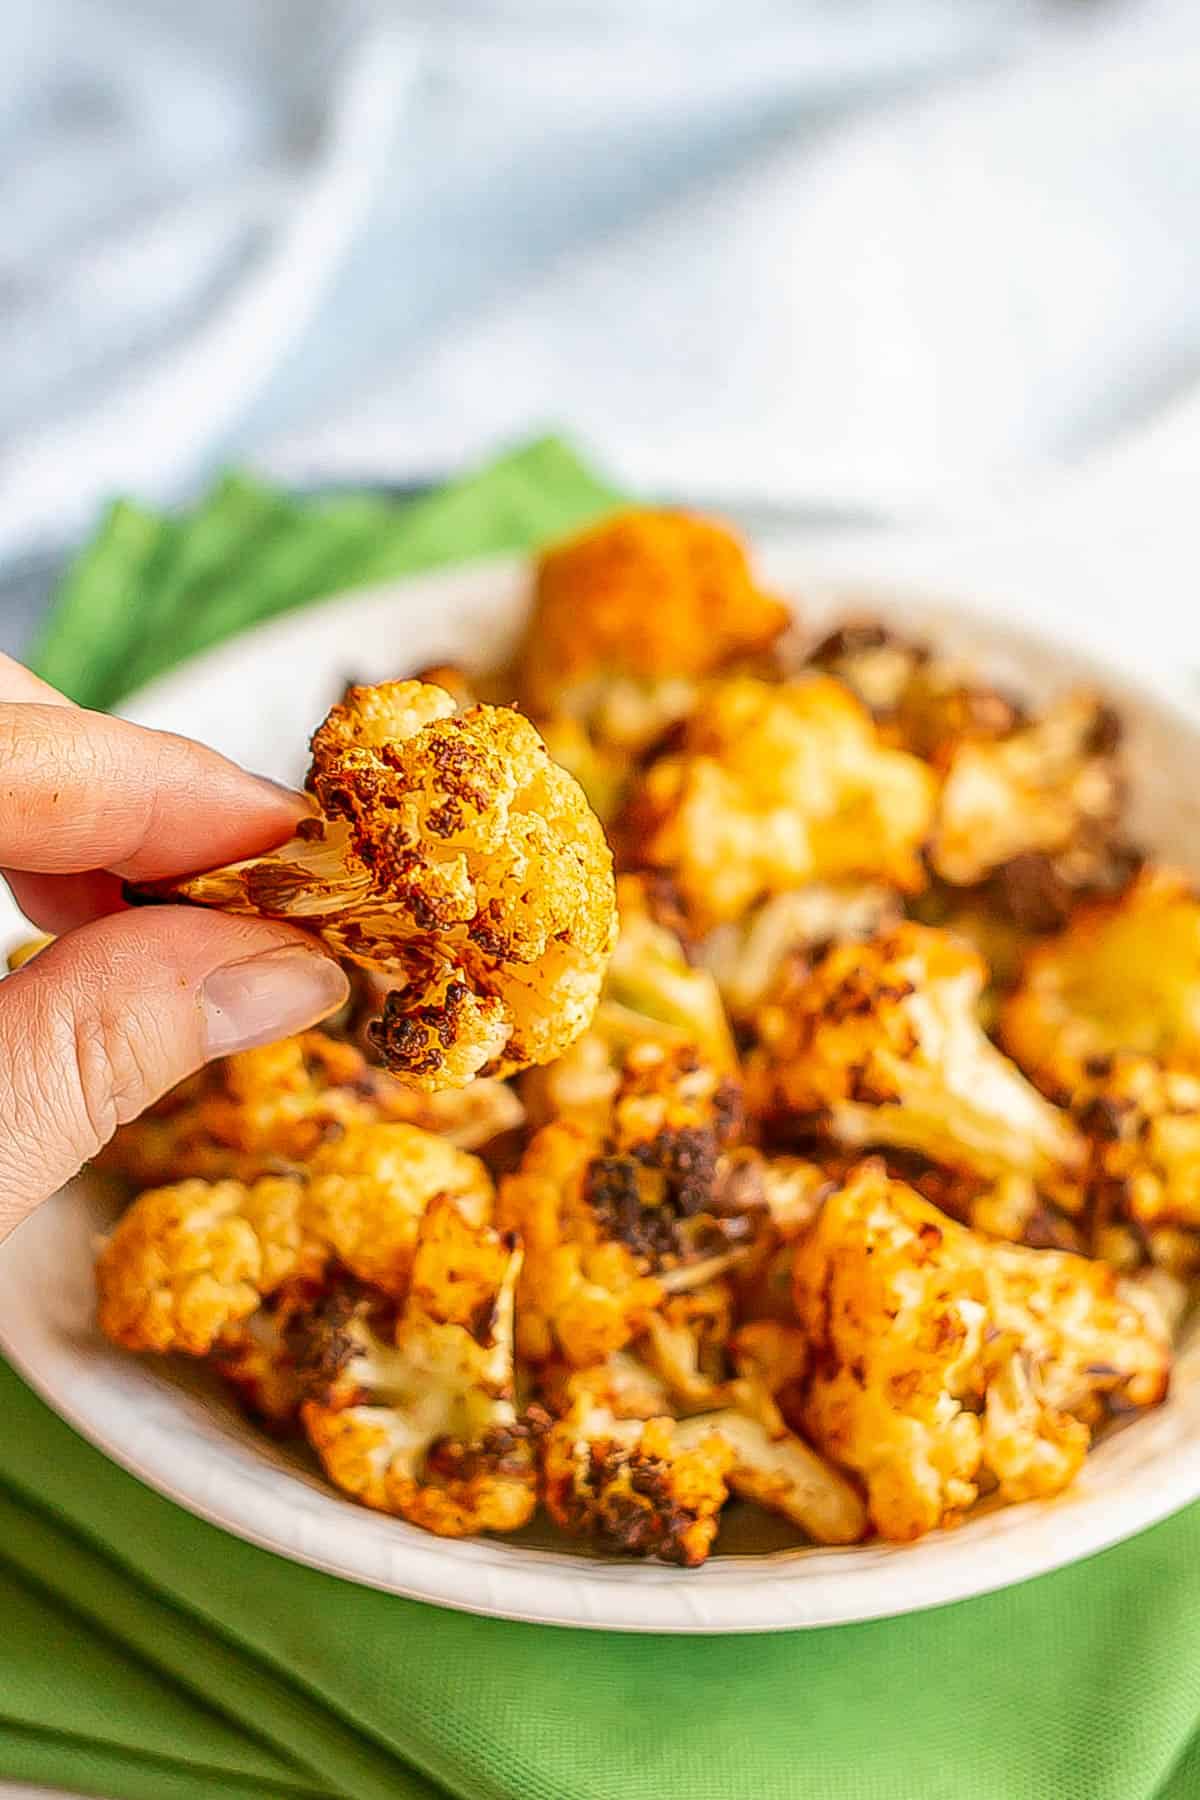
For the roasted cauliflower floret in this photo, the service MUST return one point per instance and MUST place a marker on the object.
(880, 1044)
(627, 616)
(634, 1486)
(745, 957)
(263, 1110)
(451, 853)
(942, 1362)
(187, 1263)
(425, 1426)
(774, 786)
(1124, 975)
(612, 1219)
(1051, 786)
(1142, 1182)
(652, 994)
(369, 1191)
(924, 702)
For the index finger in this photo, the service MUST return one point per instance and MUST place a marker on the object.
(80, 790)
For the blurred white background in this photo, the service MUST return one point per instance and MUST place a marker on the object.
(905, 255)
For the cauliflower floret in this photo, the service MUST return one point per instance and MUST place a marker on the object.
(880, 1044)
(1142, 1182)
(1124, 975)
(263, 1110)
(186, 1263)
(924, 702)
(1051, 786)
(369, 1192)
(635, 1487)
(426, 1426)
(941, 1361)
(450, 852)
(627, 616)
(746, 957)
(23, 953)
(651, 994)
(776, 785)
(613, 1218)
(686, 1347)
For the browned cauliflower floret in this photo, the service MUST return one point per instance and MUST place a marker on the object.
(629, 615)
(424, 1424)
(942, 1363)
(1124, 975)
(263, 1110)
(924, 702)
(1049, 787)
(612, 1218)
(450, 852)
(746, 956)
(369, 1191)
(880, 1044)
(187, 1263)
(652, 994)
(634, 1486)
(776, 785)
(1142, 1182)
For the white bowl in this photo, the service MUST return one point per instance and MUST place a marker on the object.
(257, 699)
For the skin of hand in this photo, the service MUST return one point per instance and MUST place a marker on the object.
(126, 1001)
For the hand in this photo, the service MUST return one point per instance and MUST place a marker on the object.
(127, 1001)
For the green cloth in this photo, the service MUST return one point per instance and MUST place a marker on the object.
(146, 1656)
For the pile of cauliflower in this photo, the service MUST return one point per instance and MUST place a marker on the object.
(841, 1156)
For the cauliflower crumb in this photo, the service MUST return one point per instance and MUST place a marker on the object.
(774, 786)
(451, 853)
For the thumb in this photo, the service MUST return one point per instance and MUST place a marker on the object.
(106, 1019)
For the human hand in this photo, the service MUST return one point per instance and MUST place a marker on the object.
(126, 1001)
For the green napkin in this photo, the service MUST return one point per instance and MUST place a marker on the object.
(144, 1655)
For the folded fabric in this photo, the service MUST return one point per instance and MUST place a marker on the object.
(146, 1655)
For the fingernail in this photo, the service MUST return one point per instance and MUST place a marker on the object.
(267, 997)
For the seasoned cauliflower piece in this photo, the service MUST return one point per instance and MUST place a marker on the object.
(925, 702)
(1124, 975)
(627, 616)
(263, 1110)
(745, 957)
(186, 1263)
(651, 994)
(1142, 1181)
(425, 1426)
(1052, 785)
(774, 786)
(635, 1487)
(613, 1218)
(25, 952)
(880, 1044)
(369, 1192)
(942, 1362)
(451, 853)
